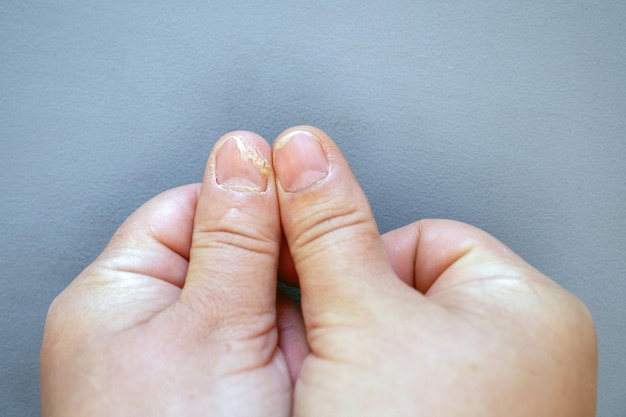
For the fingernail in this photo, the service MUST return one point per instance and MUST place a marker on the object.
(240, 166)
(300, 161)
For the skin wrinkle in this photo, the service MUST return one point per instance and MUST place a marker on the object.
(238, 240)
(240, 220)
(129, 260)
(329, 222)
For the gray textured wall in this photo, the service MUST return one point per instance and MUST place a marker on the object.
(504, 114)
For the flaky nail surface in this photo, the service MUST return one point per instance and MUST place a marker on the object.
(240, 166)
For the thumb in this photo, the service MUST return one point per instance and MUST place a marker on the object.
(231, 279)
(328, 224)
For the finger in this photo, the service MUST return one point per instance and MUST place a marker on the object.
(291, 334)
(155, 240)
(435, 255)
(329, 227)
(231, 282)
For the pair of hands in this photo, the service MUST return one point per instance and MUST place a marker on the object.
(180, 315)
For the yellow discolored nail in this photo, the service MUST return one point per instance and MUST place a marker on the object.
(240, 166)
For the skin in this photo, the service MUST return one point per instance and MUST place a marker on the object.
(179, 314)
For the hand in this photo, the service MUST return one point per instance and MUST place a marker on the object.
(178, 315)
(436, 319)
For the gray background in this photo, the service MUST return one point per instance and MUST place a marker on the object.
(505, 115)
